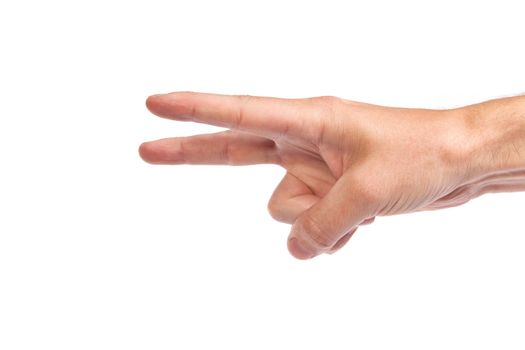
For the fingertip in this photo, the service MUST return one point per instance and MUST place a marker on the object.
(152, 100)
(145, 151)
(173, 105)
(152, 152)
(298, 250)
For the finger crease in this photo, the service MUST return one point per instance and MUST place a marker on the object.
(193, 112)
(182, 152)
(227, 153)
(240, 117)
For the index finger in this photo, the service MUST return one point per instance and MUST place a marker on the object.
(267, 116)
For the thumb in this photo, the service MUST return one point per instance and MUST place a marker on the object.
(319, 228)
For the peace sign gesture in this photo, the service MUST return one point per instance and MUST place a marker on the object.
(346, 162)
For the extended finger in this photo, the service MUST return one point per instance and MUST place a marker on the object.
(262, 115)
(227, 147)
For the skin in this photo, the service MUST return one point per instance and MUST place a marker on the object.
(348, 162)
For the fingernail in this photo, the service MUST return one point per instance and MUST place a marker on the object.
(298, 250)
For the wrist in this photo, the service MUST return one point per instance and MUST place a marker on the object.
(494, 136)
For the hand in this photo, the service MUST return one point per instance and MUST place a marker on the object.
(346, 162)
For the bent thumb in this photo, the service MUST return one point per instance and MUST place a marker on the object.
(319, 228)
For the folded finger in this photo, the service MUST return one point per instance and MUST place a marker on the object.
(342, 241)
(290, 199)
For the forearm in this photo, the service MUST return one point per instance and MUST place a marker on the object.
(495, 142)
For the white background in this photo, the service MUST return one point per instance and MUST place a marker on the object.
(99, 250)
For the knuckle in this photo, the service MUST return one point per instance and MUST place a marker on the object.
(229, 153)
(274, 209)
(181, 153)
(328, 99)
(244, 100)
(277, 210)
(368, 195)
(318, 236)
(329, 102)
(326, 108)
(372, 197)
